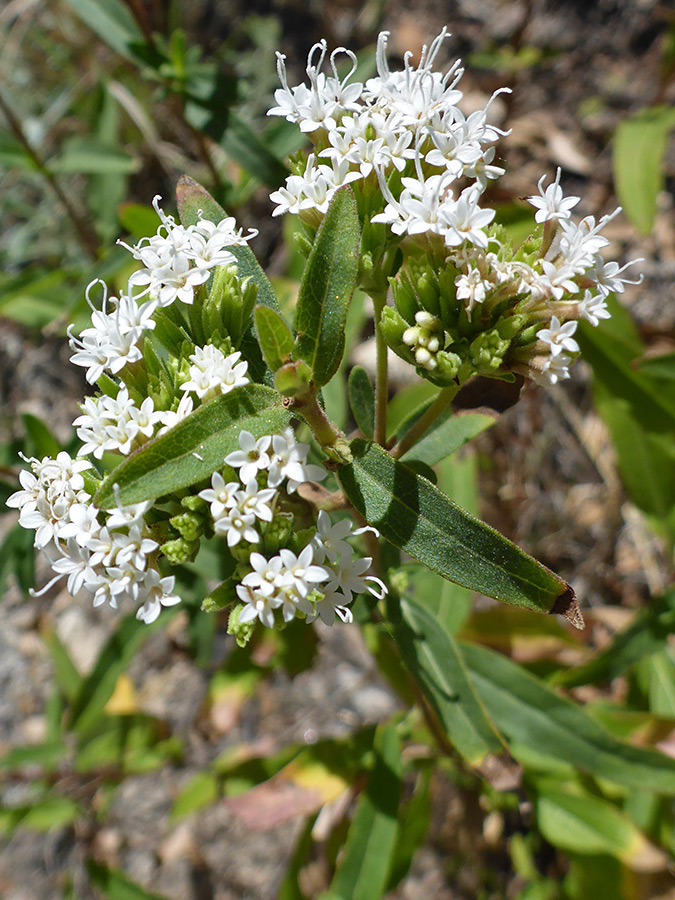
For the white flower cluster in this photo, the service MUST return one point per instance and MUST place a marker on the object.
(175, 262)
(406, 122)
(110, 554)
(402, 135)
(117, 424)
(319, 581)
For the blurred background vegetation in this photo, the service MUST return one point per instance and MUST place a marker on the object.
(120, 741)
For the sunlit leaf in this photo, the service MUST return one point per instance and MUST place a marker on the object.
(418, 518)
(435, 660)
(639, 146)
(368, 856)
(587, 824)
(112, 21)
(327, 286)
(528, 712)
(195, 447)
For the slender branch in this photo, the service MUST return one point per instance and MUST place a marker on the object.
(426, 420)
(381, 377)
(85, 233)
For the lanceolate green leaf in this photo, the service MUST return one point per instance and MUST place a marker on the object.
(612, 362)
(639, 145)
(416, 517)
(449, 435)
(113, 22)
(433, 657)
(529, 713)
(327, 285)
(276, 339)
(195, 447)
(367, 859)
(193, 198)
(586, 824)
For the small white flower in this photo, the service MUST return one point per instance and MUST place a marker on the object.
(300, 573)
(258, 605)
(593, 308)
(288, 461)
(213, 373)
(155, 593)
(256, 502)
(551, 206)
(221, 496)
(237, 526)
(559, 337)
(329, 541)
(253, 456)
(266, 577)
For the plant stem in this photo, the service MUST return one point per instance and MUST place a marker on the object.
(381, 379)
(84, 231)
(426, 420)
(329, 437)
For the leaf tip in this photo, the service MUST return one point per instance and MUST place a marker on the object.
(566, 605)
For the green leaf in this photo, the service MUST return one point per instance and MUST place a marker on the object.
(195, 447)
(17, 557)
(14, 155)
(646, 460)
(46, 755)
(362, 400)
(200, 791)
(243, 144)
(91, 156)
(433, 657)
(327, 285)
(43, 442)
(413, 398)
(275, 337)
(637, 160)
(662, 366)
(582, 823)
(527, 712)
(115, 885)
(193, 198)
(368, 855)
(413, 826)
(418, 518)
(659, 670)
(51, 811)
(67, 677)
(611, 359)
(647, 633)
(448, 435)
(98, 686)
(112, 21)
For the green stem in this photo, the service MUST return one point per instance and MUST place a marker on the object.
(426, 420)
(329, 437)
(381, 377)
